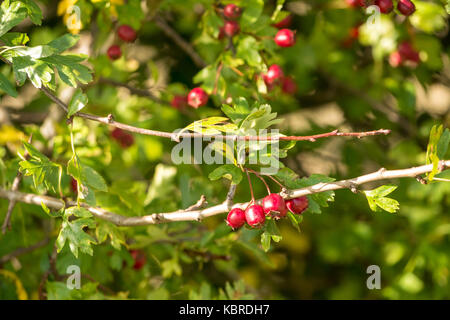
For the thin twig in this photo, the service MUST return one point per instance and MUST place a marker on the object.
(194, 215)
(24, 250)
(15, 186)
(183, 44)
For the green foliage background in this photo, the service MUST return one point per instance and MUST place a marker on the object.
(329, 257)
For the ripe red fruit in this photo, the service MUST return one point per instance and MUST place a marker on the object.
(297, 205)
(179, 101)
(231, 28)
(356, 3)
(236, 218)
(386, 6)
(289, 86)
(232, 11)
(273, 75)
(197, 97)
(274, 206)
(285, 38)
(114, 52)
(406, 7)
(254, 215)
(126, 33)
(407, 52)
(74, 185)
(139, 259)
(395, 59)
(286, 22)
(122, 137)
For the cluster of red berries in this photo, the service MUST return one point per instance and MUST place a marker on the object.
(124, 138)
(405, 7)
(230, 28)
(275, 76)
(273, 206)
(126, 34)
(403, 55)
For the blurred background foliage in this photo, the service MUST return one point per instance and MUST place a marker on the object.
(343, 82)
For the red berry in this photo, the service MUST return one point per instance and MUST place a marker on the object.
(285, 38)
(236, 218)
(197, 97)
(274, 206)
(231, 28)
(254, 215)
(74, 185)
(221, 33)
(273, 75)
(395, 59)
(406, 7)
(126, 33)
(122, 137)
(114, 52)
(179, 101)
(356, 3)
(289, 86)
(386, 6)
(297, 205)
(139, 259)
(407, 52)
(286, 22)
(232, 11)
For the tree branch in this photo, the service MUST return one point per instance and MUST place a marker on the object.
(183, 44)
(197, 215)
(25, 250)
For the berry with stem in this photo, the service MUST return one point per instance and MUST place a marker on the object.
(126, 33)
(231, 28)
(114, 52)
(274, 206)
(254, 215)
(406, 7)
(386, 6)
(197, 97)
(236, 218)
(232, 11)
(297, 205)
(274, 75)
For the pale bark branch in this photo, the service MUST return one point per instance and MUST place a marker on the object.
(197, 215)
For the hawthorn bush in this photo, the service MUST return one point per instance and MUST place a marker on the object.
(297, 99)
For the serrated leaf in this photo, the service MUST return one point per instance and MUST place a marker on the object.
(106, 230)
(79, 101)
(432, 149)
(6, 86)
(41, 169)
(377, 199)
(228, 171)
(15, 38)
(443, 143)
(11, 14)
(72, 232)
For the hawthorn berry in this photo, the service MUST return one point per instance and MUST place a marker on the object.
(197, 97)
(288, 85)
(232, 11)
(122, 137)
(114, 52)
(274, 206)
(254, 215)
(356, 3)
(297, 205)
(236, 218)
(406, 7)
(286, 22)
(395, 59)
(407, 52)
(179, 101)
(386, 6)
(285, 38)
(74, 185)
(274, 75)
(231, 28)
(139, 259)
(126, 33)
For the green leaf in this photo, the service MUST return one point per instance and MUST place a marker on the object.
(295, 219)
(228, 171)
(72, 232)
(106, 230)
(11, 14)
(251, 12)
(63, 43)
(41, 169)
(443, 143)
(377, 199)
(248, 49)
(69, 68)
(6, 86)
(79, 101)
(238, 112)
(271, 232)
(432, 150)
(429, 17)
(15, 38)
